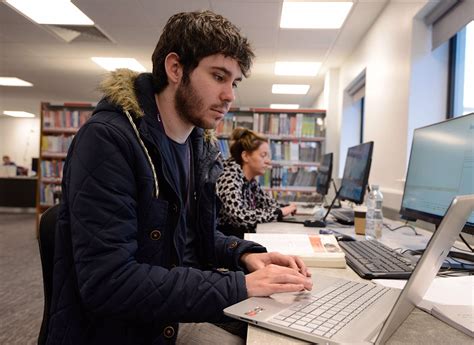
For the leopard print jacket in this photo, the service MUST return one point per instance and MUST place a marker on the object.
(244, 203)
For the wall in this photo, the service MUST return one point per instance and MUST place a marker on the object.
(19, 139)
(402, 77)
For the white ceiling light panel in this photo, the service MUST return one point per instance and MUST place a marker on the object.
(314, 15)
(53, 12)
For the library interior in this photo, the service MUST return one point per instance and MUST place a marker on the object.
(367, 108)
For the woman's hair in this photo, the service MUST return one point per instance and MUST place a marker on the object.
(194, 36)
(243, 139)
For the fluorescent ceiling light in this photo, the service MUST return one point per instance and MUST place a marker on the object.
(297, 68)
(15, 113)
(13, 81)
(111, 64)
(54, 12)
(314, 15)
(292, 89)
(284, 106)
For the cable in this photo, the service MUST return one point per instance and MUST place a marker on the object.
(406, 225)
(462, 249)
(465, 242)
(454, 273)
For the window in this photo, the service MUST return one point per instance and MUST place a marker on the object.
(361, 116)
(461, 88)
(352, 126)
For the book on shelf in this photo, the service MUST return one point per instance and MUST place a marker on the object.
(294, 151)
(283, 176)
(59, 124)
(314, 250)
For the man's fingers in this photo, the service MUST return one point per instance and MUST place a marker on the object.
(279, 288)
(284, 260)
(287, 275)
(302, 267)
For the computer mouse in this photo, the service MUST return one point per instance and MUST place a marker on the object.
(337, 235)
(342, 237)
(314, 223)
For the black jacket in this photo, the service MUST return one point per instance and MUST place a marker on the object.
(118, 277)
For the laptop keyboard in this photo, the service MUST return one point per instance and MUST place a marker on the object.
(372, 259)
(327, 312)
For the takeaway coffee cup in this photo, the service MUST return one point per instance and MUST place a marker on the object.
(359, 220)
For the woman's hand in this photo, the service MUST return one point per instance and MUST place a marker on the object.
(287, 210)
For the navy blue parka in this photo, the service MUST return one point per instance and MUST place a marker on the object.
(118, 275)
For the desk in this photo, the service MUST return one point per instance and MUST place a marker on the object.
(18, 191)
(419, 328)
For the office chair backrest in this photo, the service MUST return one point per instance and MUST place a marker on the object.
(47, 227)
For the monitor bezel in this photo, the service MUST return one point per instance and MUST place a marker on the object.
(411, 214)
(366, 175)
(329, 173)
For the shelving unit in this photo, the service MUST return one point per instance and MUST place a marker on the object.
(296, 139)
(59, 124)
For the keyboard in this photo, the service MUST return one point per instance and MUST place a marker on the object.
(371, 259)
(344, 215)
(327, 312)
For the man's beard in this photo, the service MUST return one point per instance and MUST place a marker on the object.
(189, 105)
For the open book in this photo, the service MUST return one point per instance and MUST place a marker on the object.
(314, 250)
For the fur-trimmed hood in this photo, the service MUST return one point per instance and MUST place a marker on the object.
(119, 89)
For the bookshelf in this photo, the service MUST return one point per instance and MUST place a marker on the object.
(59, 124)
(296, 139)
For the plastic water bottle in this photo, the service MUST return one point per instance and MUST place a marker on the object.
(374, 216)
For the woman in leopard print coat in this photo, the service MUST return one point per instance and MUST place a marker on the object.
(243, 202)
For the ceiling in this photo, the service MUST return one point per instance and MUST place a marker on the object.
(64, 72)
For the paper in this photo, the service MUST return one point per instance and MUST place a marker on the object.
(449, 299)
(448, 291)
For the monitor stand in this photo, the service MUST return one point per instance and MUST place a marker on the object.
(322, 222)
(337, 203)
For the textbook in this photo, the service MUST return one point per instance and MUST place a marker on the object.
(314, 250)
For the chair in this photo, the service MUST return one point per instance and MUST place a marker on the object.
(47, 227)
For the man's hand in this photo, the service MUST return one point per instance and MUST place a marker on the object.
(256, 261)
(274, 279)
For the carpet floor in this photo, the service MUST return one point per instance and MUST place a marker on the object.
(21, 286)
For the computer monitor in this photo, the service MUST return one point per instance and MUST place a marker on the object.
(441, 166)
(356, 172)
(323, 181)
(34, 164)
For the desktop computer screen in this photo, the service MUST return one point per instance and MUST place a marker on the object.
(356, 172)
(441, 166)
(34, 164)
(323, 181)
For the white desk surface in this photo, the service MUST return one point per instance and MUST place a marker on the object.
(419, 328)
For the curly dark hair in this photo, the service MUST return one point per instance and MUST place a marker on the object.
(194, 36)
(243, 139)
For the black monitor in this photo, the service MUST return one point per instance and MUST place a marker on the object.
(356, 172)
(34, 164)
(441, 167)
(323, 181)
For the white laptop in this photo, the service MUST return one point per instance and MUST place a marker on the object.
(339, 311)
(307, 208)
